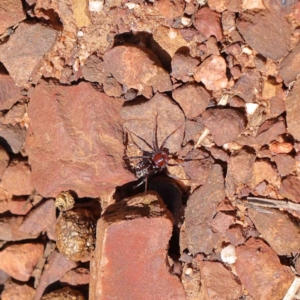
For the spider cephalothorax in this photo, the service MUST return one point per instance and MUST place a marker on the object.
(153, 161)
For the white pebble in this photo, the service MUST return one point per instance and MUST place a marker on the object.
(130, 5)
(251, 108)
(172, 34)
(228, 255)
(80, 33)
(95, 6)
(185, 21)
(189, 271)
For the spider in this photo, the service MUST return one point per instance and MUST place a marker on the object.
(154, 161)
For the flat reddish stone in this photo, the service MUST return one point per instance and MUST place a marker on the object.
(248, 86)
(235, 235)
(273, 40)
(170, 9)
(17, 179)
(201, 208)
(277, 106)
(293, 111)
(208, 22)
(277, 229)
(260, 271)
(219, 282)
(15, 291)
(225, 125)
(192, 98)
(264, 171)
(137, 67)
(19, 260)
(58, 265)
(212, 73)
(26, 47)
(9, 92)
(76, 277)
(221, 222)
(290, 188)
(4, 159)
(46, 212)
(183, 65)
(285, 164)
(19, 206)
(93, 70)
(132, 239)
(85, 155)
(289, 66)
(11, 13)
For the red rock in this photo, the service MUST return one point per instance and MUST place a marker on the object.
(26, 47)
(217, 5)
(218, 153)
(225, 125)
(3, 277)
(290, 188)
(17, 179)
(201, 208)
(208, 22)
(58, 265)
(293, 111)
(277, 106)
(19, 206)
(277, 229)
(15, 291)
(9, 229)
(137, 68)
(170, 9)
(11, 13)
(289, 66)
(281, 147)
(219, 283)
(32, 223)
(75, 157)
(143, 241)
(228, 21)
(193, 130)
(234, 5)
(212, 73)
(285, 164)
(269, 131)
(141, 120)
(273, 40)
(264, 171)
(4, 158)
(248, 86)
(19, 260)
(183, 65)
(76, 277)
(235, 235)
(221, 222)
(9, 92)
(193, 99)
(112, 87)
(93, 70)
(261, 272)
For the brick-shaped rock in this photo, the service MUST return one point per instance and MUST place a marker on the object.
(131, 249)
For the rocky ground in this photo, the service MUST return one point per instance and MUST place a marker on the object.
(86, 84)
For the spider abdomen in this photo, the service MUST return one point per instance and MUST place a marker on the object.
(160, 159)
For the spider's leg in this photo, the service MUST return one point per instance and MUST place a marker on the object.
(130, 132)
(140, 183)
(135, 157)
(147, 179)
(167, 138)
(154, 136)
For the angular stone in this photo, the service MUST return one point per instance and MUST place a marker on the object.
(140, 118)
(260, 271)
(212, 73)
(248, 86)
(112, 87)
(11, 13)
(221, 222)
(93, 70)
(263, 171)
(17, 179)
(277, 229)
(277, 106)
(208, 23)
(9, 92)
(285, 164)
(290, 188)
(293, 111)
(3, 277)
(85, 155)
(219, 282)
(9, 230)
(19, 260)
(289, 66)
(76, 277)
(46, 212)
(137, 67)
(225, 125)
(170, 9)
(201, 208)
(192, 98)
(273, 40)
(281, 147)
(235, 235)
(58, 265)
(183, 65)
(136, 227)
(4, 159)
(15, 291)
(269, 131)
(26, 47)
